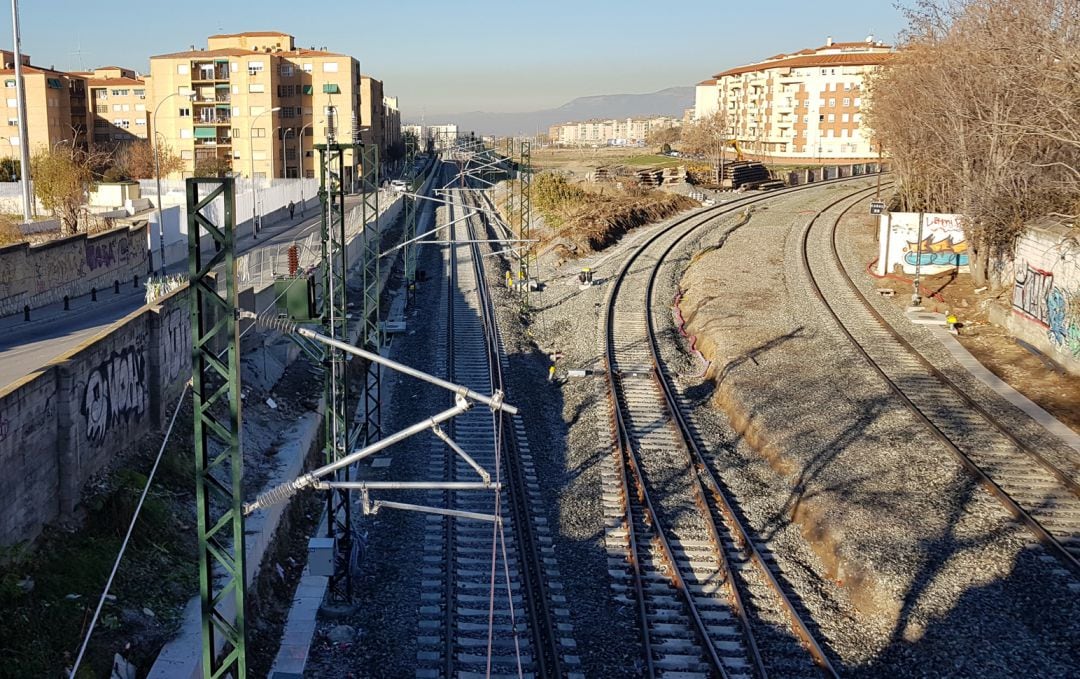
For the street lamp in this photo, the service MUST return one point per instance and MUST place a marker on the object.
(300, 173)
(183, 92)
(284, 162)
(254, 186)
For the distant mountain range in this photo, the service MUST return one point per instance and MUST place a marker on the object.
(670, 102)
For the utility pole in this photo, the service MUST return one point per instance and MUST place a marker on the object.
(916, 296)
(24, 142)
(525, 222)
(335, 379)
(219, 454)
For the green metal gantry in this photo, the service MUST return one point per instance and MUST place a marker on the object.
(219, 463)
(371, 337)
(335, 381)
(525, 223)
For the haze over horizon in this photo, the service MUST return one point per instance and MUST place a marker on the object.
(526, 59)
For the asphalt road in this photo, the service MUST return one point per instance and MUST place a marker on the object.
(25, 347)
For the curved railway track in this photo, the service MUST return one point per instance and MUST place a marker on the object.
(694, 568)
(1038, 494)
(489, 607)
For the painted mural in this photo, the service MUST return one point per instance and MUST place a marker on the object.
(1036, 297)
(943, 247)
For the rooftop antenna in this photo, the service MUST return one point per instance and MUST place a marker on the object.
(78, 52)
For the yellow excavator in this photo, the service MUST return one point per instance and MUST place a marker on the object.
(734, 143)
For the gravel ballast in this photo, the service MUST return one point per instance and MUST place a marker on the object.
(907, 565)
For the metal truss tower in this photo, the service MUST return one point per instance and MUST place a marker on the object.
(371, 338)
(525, 224)
(219, 463)
(335, 380)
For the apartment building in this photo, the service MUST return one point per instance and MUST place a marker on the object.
(392, 124)
(613, 132)
(117, 106)
(802, 105)
(53, 102)
(260, 104)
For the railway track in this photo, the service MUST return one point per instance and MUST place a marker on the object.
(491, 596)
(695, 575)
(1039, 495)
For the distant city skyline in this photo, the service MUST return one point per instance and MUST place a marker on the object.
(488, 56)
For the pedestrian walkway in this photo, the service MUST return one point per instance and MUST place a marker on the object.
(1002, 388)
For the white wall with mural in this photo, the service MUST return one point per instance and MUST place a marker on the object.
(943, 247)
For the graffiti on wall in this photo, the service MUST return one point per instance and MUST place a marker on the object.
(176, 337)
(116, 391)
(1036, 297)
(944, 243)
(104, 254)
(943, 246)
(57, 266)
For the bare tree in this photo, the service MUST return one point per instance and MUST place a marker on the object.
(62, 175)
(136, 160)
(979, 114)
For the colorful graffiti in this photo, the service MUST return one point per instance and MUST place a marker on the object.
(1036, 296)
(937, 253)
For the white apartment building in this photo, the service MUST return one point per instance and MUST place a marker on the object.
(803, 105)
(613, 132)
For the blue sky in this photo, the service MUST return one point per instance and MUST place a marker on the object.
(443, 57)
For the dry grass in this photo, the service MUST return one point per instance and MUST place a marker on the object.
(9, 231)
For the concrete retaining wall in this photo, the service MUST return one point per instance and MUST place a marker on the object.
(1044, 275)
(64, 423)
(35, 275)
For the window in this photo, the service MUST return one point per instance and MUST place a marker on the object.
(184, 113)
(847, 101)
(832, 117)
(260, 175)
(331, 88)
(101, 108)
(858, 102)
(120, 93)
(857, 117)
(843, 117)
(101, 138)
(140, 121)
(256, 88)
(255, 68)
(290, 154)
(286, 90)
(235, 132)
(9, 83)
(236, 89)
(140, 107)
(286, 70)
(182, 69)
(832, 102)
(308, 89)
(185, 134)
(12, 103)
(127, 108)
(821, 119)
(258, 155)
(187, 155)
(117, 108)
(97, 123)
(329, 67)
(141, 94)
(288, 112)
(258, 132)
(123, 124)
(14, 141)
(307, 68)
(53, 83)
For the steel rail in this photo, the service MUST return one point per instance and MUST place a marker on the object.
(739, 533)
(629, 462)
(1014, 507)
(545, 639)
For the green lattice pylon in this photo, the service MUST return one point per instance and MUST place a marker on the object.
(219, 460)
(525, 224)
(335, 379)
(371, 337)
